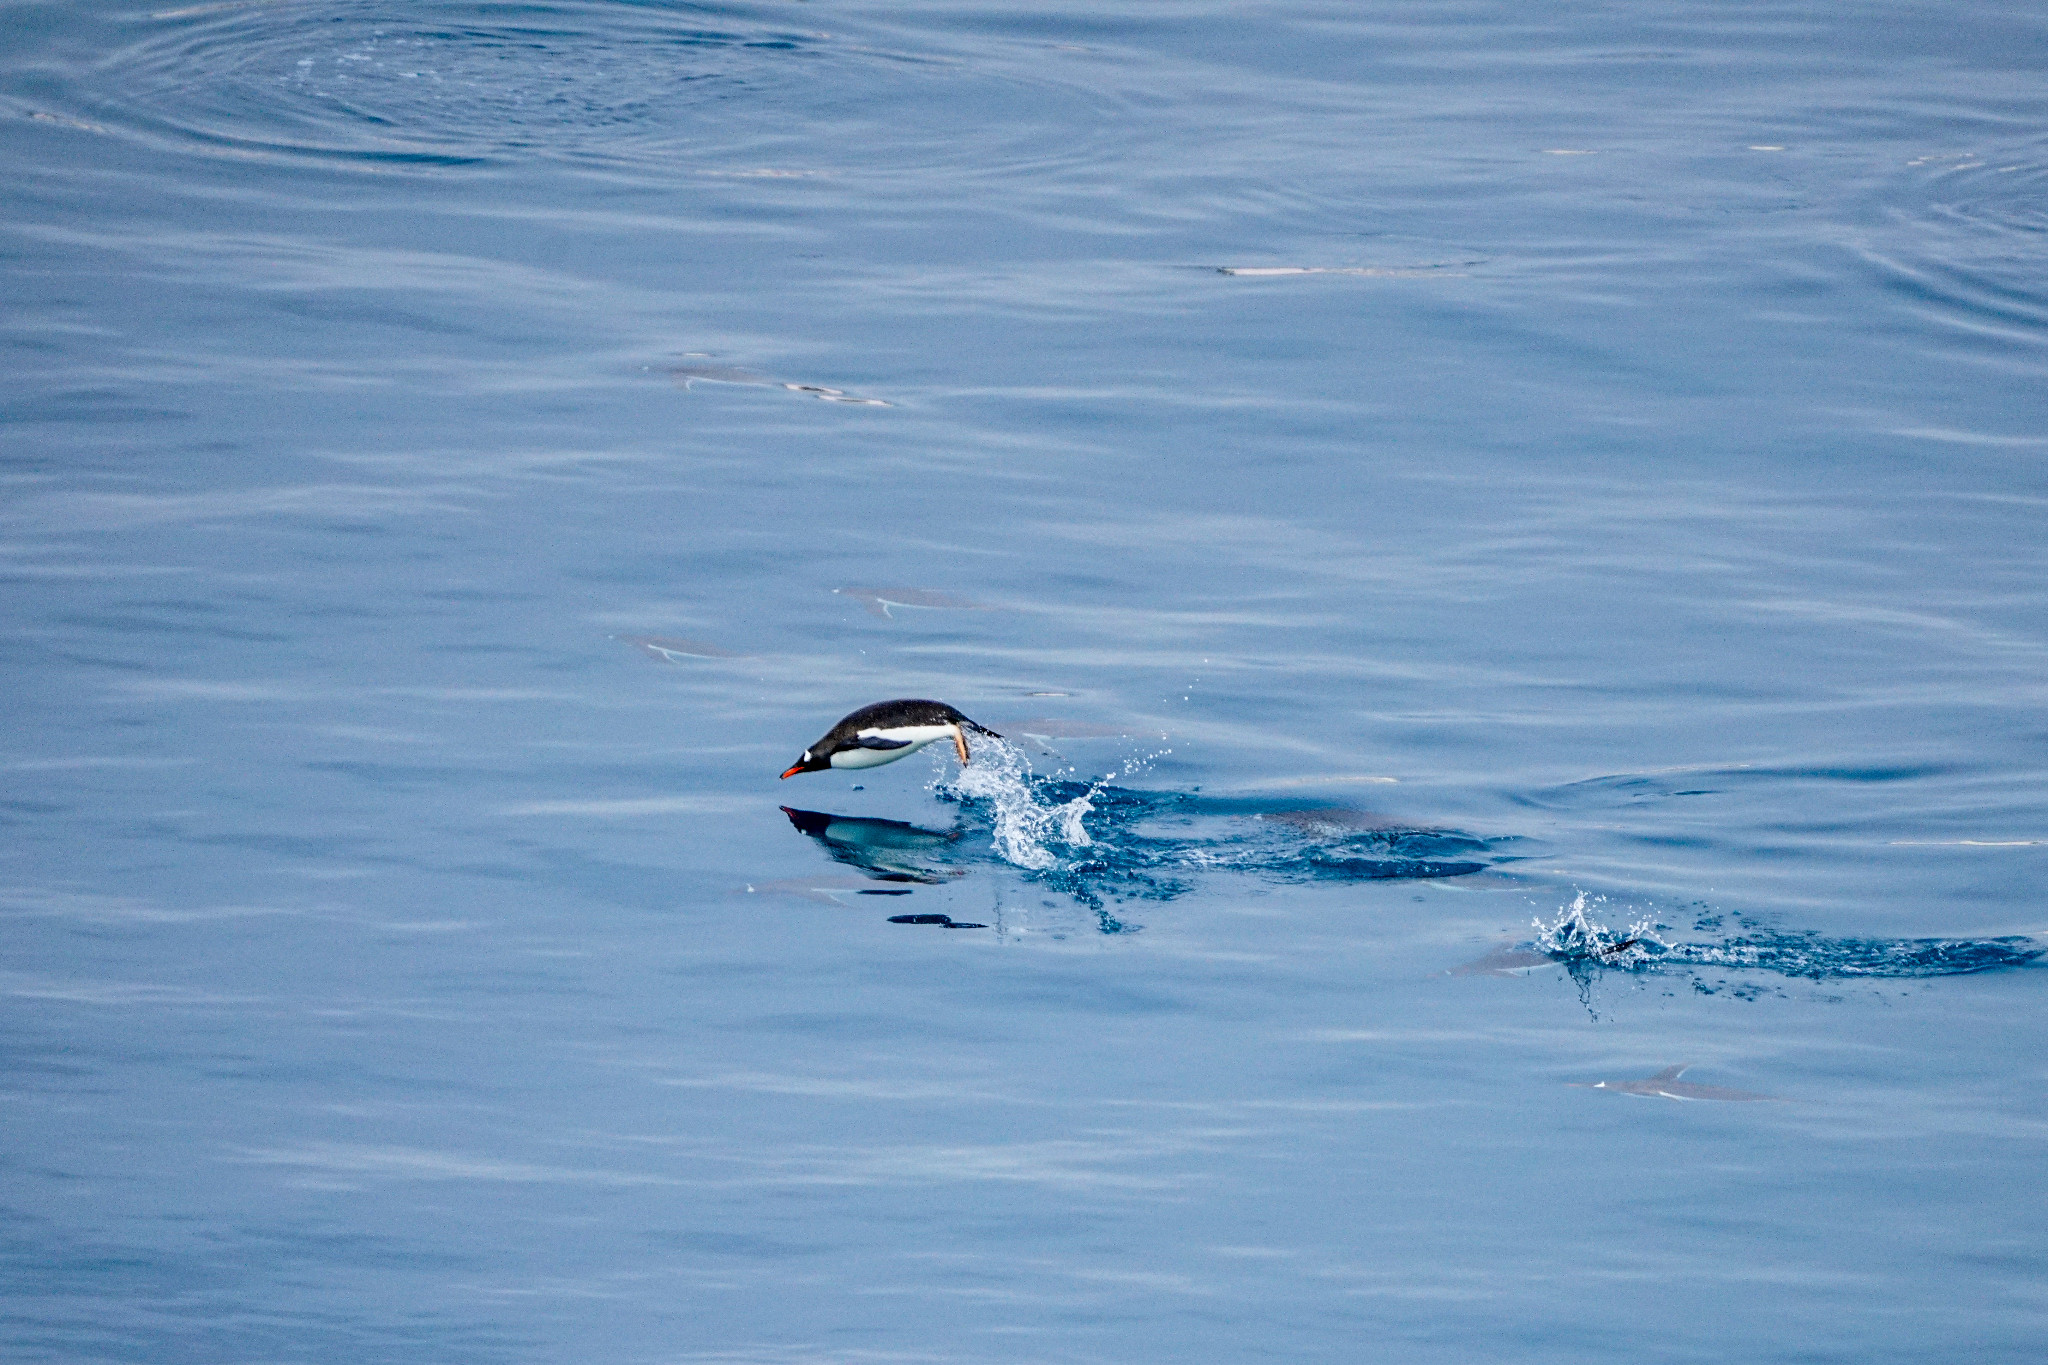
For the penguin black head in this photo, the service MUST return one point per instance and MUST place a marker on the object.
(813, 761)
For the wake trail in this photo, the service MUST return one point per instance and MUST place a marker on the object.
(1583, 944)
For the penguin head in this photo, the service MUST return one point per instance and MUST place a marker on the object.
(815, 760)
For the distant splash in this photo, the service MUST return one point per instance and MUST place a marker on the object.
(1585, 946)
(1097, 841)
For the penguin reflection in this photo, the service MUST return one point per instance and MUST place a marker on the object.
(887, 850)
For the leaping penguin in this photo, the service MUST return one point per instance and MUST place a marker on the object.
(885, 732)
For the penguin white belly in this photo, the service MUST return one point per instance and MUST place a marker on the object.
(913, 736)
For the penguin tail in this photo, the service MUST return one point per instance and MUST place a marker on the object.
(978, 728)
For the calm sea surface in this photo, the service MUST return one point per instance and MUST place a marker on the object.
(1508, 546)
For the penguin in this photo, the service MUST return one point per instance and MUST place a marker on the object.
(885, 732)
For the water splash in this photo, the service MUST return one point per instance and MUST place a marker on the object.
(1095, 841)
(1584, 945)
(1029, 830)
(1092, 839)
(1576, 937)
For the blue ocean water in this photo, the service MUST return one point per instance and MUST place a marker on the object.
(1506, 548)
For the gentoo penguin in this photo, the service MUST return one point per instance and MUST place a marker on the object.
(885, 732)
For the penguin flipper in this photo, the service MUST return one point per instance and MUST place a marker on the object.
(876, 742)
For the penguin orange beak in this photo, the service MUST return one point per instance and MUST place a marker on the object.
(794, 770)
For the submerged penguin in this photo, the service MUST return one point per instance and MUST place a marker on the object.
(885, 732)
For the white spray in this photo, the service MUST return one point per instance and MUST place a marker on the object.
(1027, 830)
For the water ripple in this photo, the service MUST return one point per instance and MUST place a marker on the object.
(378, 83)
(1963, 241)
